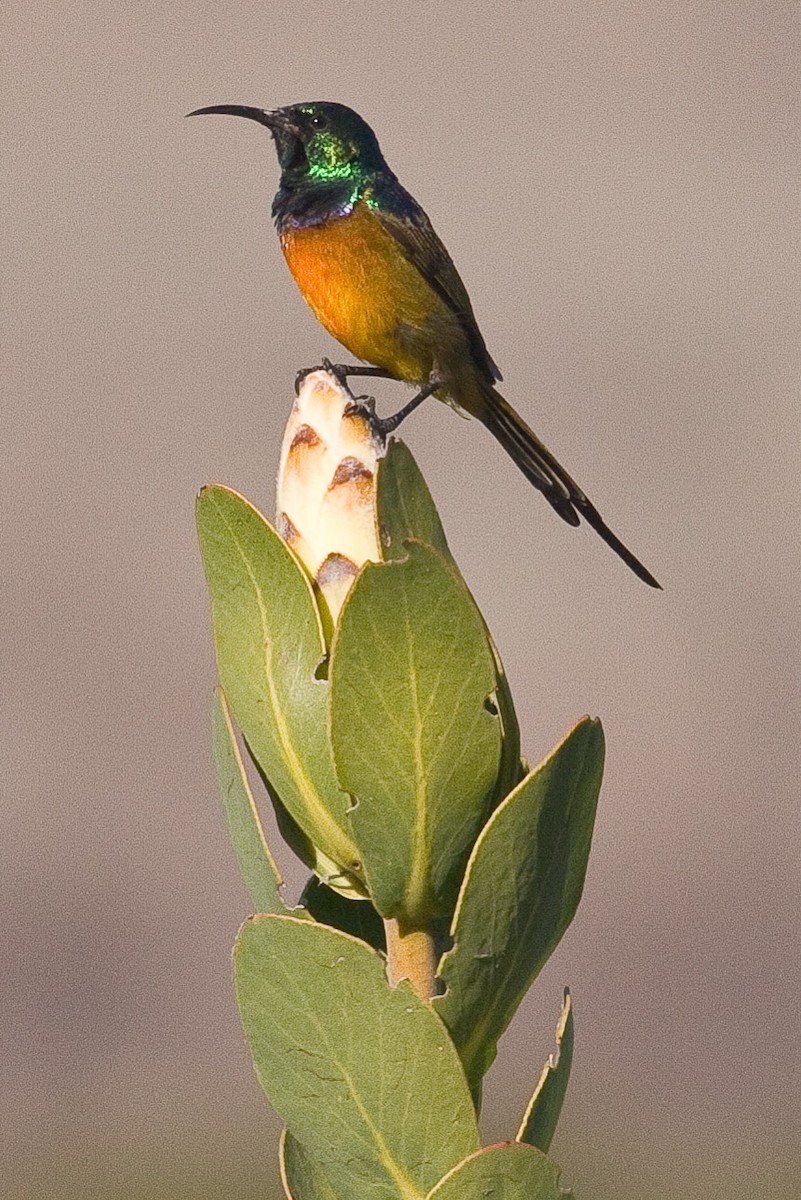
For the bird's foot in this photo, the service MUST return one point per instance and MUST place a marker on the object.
(381, 426)
(342, 372)
(364, 407)
(384, 426)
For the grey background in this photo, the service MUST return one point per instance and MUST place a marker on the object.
(618, 186)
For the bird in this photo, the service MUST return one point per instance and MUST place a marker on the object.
(375, 274)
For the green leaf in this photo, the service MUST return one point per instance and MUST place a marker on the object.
(356, 917)
(414, 740)
(269, 650)
(363, 1075)
(509, 1171)
(542, 1114)
(405, 508)
(302, 1178)
(520, 892)
(407, 511)
(259, 871)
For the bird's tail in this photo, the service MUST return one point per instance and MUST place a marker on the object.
(541, 468)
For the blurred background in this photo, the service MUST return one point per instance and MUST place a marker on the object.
(617, 184)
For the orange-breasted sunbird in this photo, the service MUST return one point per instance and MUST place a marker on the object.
(375, 274)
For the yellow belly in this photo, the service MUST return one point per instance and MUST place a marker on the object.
(355, 278)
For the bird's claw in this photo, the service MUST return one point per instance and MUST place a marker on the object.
(301, 375)
(339, 371)
(364, 406)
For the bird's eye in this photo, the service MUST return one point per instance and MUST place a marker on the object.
(318, 121)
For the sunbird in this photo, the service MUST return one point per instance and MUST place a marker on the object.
(373, 271)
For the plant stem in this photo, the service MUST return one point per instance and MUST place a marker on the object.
(412, 955)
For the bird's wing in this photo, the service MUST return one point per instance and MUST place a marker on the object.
(404, 219)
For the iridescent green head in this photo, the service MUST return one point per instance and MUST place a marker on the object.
(316, 142)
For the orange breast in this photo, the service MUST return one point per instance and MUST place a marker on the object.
(355, 278)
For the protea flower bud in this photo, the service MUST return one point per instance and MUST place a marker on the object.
(326, 487)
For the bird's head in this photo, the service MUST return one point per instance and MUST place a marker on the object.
(316, 142)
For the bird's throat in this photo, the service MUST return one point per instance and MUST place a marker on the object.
(311, 202)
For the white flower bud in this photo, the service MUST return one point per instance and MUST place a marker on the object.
(326, 487)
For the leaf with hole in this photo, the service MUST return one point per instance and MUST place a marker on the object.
(405, 511)
(416, 739)
(520, 892)
(542, 1113)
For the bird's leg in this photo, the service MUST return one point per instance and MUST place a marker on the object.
(388, 425)
(345, 370)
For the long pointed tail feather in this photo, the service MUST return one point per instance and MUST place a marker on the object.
(542, 469)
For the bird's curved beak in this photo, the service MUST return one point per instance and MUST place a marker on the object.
(276, 121)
